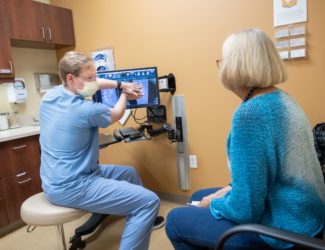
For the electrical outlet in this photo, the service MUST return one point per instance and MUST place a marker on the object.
(193, 161)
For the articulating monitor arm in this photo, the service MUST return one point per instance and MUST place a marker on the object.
(173, 134)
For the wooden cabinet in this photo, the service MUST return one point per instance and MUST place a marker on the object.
(22, 20)
(32, 21)
(26, 23)
(6, 66)
(58, 25)
(19, 173)
(17, 189)
(19, 156)
(3, 210)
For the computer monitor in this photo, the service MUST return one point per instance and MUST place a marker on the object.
(146, 77)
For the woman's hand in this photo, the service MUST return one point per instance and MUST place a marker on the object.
(205, 202)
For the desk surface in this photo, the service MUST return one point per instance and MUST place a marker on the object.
(106, 139)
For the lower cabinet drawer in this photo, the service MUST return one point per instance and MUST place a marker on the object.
(17, 188)
(19, 155)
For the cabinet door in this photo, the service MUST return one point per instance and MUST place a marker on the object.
(6, 67)
(25, 20)
(58, 25)
(3, 210)
(3, 213)
(19, 155)
(17, 188)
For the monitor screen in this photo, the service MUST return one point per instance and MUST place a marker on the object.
(146, 77)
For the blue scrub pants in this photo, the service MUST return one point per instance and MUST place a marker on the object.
(118, 190)
(195, 228)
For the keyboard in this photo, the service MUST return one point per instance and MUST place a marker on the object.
(127, 132)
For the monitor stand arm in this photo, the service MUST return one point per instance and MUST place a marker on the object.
(173, 134)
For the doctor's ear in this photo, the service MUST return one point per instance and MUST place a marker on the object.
(69, 78)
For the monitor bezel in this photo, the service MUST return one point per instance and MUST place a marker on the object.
(97, 97)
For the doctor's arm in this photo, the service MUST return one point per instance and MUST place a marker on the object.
(118, 111)
(127, 87)
(119, 108)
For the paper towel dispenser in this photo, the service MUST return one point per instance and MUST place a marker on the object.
(46, 81)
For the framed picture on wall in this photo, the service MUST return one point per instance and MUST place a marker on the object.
(104, 59)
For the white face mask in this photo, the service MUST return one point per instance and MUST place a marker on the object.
(89, 89)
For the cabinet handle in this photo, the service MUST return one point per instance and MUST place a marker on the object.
(43, 33)
(22, 182)
(19, 147)
(50, 34)
(21, 174)
(7, 71)
(11, 68)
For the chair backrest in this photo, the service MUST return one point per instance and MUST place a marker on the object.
(319, 142)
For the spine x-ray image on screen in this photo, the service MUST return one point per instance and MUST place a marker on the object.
(146, 77)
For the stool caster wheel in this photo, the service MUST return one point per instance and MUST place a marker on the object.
(77, 243)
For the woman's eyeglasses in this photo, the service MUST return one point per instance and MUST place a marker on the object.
(219, 62)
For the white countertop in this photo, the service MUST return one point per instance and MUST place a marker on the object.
(16, 133)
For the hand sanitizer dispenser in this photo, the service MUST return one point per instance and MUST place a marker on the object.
(17, 91)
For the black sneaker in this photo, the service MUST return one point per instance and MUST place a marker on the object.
(159, 223)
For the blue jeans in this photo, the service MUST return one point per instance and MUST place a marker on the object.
(196, 228)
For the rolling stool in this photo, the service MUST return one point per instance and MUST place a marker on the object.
(38, 211)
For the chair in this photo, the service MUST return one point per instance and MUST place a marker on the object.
(303, 241)
(38, 211)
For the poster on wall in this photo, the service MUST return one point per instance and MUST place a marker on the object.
(289, 11)
(104, 59)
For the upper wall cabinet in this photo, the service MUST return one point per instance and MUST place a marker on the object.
(6, 66)
(58, 24)
(38, 22)
(23, 20)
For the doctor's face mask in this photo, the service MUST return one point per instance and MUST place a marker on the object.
(89, 88)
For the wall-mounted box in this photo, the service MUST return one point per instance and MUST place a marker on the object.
(46, 81)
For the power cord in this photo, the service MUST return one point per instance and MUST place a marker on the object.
(137, 119)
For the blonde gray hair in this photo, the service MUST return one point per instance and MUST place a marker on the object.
(72, 63)
(250, 59)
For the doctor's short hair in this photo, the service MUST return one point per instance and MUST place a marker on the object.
(250, 59)
(72, 63)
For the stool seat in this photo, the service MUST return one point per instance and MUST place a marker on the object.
(38, 211)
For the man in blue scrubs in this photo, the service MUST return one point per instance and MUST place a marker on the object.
(69, 142)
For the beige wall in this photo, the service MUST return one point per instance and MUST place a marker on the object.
(27, 62)
(185, 37)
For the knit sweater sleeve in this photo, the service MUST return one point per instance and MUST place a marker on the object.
(252, 163)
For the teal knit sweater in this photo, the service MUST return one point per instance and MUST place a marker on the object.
(276, 176)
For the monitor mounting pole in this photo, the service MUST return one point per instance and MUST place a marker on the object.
(182, 143)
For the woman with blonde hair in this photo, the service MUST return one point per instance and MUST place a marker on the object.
(276, 176)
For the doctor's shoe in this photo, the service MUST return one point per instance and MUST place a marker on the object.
(159, 223)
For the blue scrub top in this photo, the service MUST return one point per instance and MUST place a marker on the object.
(69, 139)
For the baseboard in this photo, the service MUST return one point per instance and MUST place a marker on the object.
(181, 199)
(11, 227)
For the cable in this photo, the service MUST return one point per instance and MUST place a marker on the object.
(138, 119)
